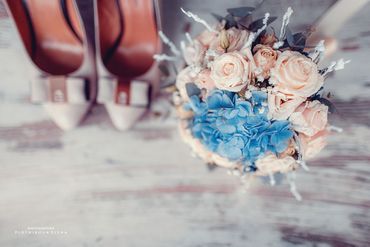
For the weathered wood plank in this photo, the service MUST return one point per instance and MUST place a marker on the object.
(143, 188)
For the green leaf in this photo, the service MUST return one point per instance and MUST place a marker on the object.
(295, 41)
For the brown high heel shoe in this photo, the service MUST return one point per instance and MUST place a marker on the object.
(62, 60)
(127, 39)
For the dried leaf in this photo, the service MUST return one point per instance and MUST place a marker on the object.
(332, 108)
(229, 20)
(289, 36)
(164, 69)
(218, 17)
(168, 84)
(192, 89)
(300, 39)
(245, 22)
(211, 166)
(255, 25)
(224, 40)
(241, 11)
(317, 95)
(295, 41)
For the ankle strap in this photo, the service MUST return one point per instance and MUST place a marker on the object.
(59, 89)
(134, 93)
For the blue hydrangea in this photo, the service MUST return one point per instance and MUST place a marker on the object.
(238, 129)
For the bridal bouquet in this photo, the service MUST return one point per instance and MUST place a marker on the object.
(251, 99)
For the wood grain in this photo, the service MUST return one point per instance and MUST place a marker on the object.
(143, 188)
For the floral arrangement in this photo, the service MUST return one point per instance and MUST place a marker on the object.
(251, 99)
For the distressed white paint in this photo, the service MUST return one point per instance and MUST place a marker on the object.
(143, 188)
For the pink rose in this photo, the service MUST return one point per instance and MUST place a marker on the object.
(231, 71)
(281, 106)
(184, 77)
(268, 39)
(311, 146)
(235, 39)
(204, 80)
(265, 58)
(206, 37)
(271, 164)
(194, 54)
(295, 74)
(310, 118)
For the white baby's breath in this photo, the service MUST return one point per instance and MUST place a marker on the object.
(318, 53)
(168, 42)
(164, 57)
(336, 65)
(173, 48)
(210, 57)
(189, 38)
(247, 94)
(264, 22)
(303, 164)
(198, 19)
(334, 128)
(284, 25)
(272, 179)
(293, 188)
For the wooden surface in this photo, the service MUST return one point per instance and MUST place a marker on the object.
(99, 187)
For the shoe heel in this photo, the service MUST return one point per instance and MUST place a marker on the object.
(126, 106)
(67, 96)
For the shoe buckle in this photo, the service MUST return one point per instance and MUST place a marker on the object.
(57, 89)
(122, 98)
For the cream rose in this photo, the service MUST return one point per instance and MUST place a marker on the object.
(231, 71)
(295, 74)
(310, 118)
(264, 58)
(236, 38)
(312, 145)
(271, 164)
(185, 76)
(281, 107)
(194, 54)
(204, 80)
(207, 37)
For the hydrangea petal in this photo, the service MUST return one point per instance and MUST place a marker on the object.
(237, 129)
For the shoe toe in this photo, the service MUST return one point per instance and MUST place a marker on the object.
(124, 117)
(67, 116)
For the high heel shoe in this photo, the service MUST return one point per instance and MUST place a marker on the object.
(62, 60)
(330, 23)
(127, 39)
